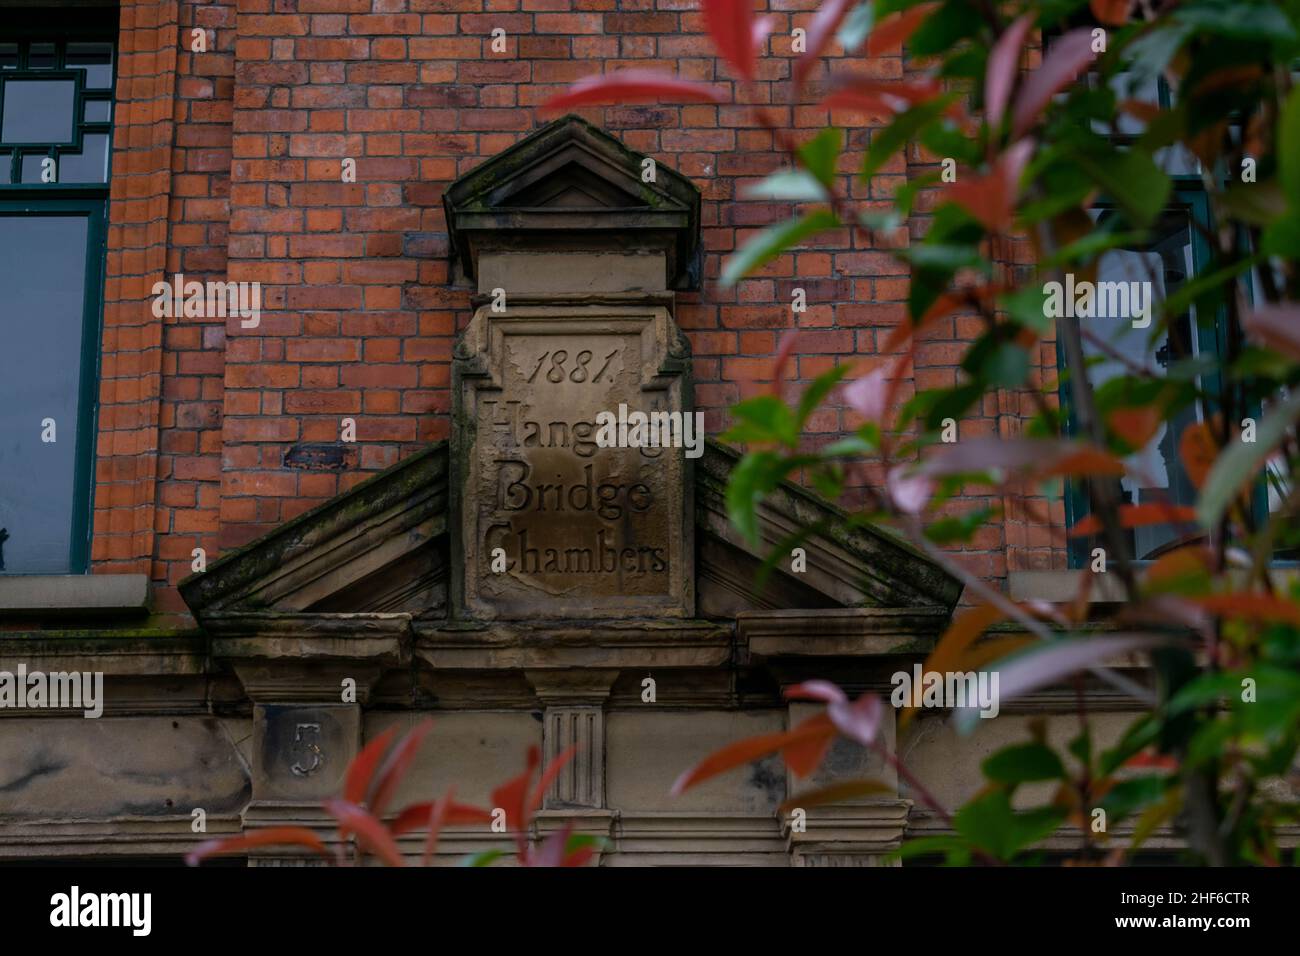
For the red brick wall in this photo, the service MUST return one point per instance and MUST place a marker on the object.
(359, 317)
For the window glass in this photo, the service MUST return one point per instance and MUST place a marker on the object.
(38, 111)
(96, 59)
(1119, 338)
(43, 273)
(88, 166)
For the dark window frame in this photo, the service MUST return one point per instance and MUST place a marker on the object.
(74, 199)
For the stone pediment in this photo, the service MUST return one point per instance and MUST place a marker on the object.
(574, 180)
(383, 547)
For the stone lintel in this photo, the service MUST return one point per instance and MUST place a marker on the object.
(841, 632)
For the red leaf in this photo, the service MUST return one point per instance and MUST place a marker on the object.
(805, 754)
(1276, 327)
(909, 492)
(1113, 13)
(991, 198)
(1039, 457)
(1085, 462)
(879, 96)
(551, 852)
(512, 795)
(867, 394)
(1048, 662)
(1198, 450)
(897, 29)
(437, 817)
(632, 86)
(752, 748)
(1000, 75)
(548, 776)
(371, 834)
(820, 32)
(783, 353)
(1137, 425)
(1155, 761)
(363, 766)
(1063, 62)
(579, 857)
(271, 836)
(815, 690)
(395, 767)
(860, 720)
(1137, 516)
(417, 816)
(1251, 607)
(731, 26)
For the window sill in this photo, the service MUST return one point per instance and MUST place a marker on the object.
(70, 595)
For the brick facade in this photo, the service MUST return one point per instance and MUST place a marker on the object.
(203, 423)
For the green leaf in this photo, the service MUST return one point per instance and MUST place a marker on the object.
(905, 128)
(1007, 366)
(1243, 460)
(819, 388)
(773, 241)
(821, 152)
(1024, 763)
(1288, 150)
(764, 418)
(1132, 179)
(482, 858)
(1027, 307)
(990, 823)
(1237, 19)
(793, 185)
(1129, 795)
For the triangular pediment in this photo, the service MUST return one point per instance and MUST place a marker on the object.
(572, 178)
(383, 546)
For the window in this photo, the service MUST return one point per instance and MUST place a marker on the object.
(1114, 344)
(55, 113)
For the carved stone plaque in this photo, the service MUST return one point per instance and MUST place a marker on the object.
(554, 520)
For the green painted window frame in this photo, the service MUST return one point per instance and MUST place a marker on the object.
(1189, 195)
(95, 209)
(74, 199)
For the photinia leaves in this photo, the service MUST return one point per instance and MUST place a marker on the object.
(371, 834)
(991, 198)
(860, 720)
(362, 767)
(879, 96)
(897, 28)
(821, 30)
(1000, 75)
(417, 816)
(867, 394)
(1276, 327)
(1241, 461)
(1137, 516)
(1198, 449)
(271, 836)
(816, 729)
(815, 690)
(1263, 608)
(731, 27)
(772, 241)
(1135, 425)
(395, 767)
(836, 793)
(633, 86)
(1113, 13)
(1063, 62)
